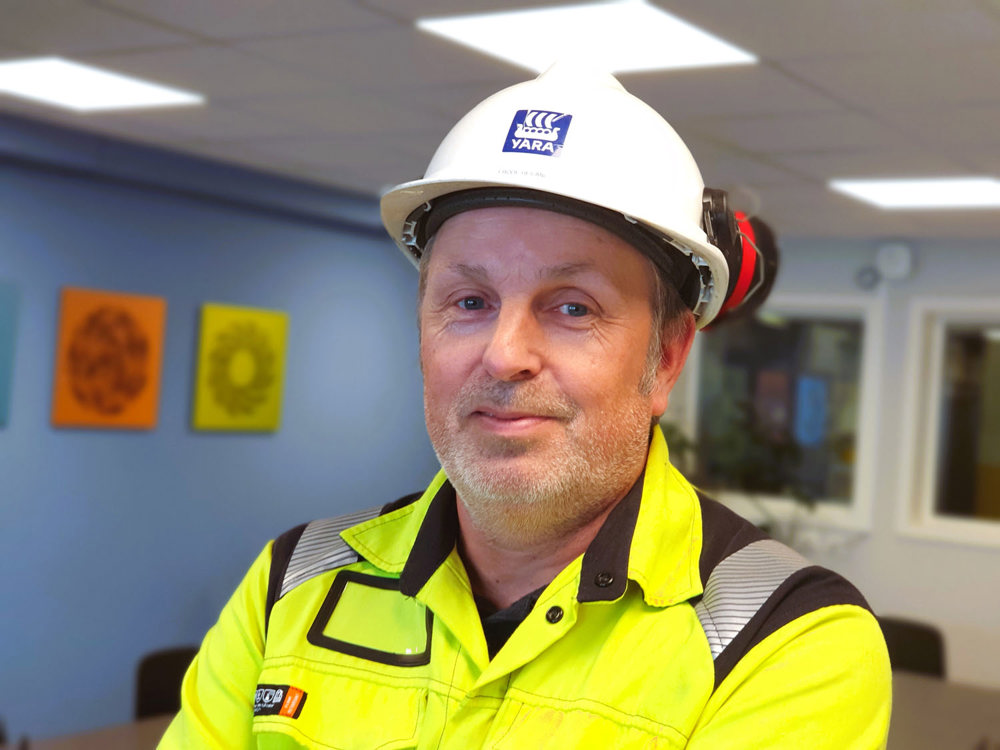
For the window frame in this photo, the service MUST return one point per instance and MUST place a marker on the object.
(856, 515)
(929, 319)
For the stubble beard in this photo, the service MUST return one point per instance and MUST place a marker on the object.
(559, 484)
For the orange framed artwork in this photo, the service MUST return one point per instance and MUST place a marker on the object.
(109, 358)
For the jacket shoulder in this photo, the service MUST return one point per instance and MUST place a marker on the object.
(313, 548)
(755, 585)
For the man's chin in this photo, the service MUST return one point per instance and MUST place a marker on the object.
(501, 448)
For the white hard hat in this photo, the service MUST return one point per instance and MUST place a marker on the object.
(578, 135)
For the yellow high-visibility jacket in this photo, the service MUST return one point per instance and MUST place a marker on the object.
(682, 626)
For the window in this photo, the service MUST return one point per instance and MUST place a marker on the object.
(954, 399)
(778, 404)
(968, 455)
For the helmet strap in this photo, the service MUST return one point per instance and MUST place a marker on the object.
(673, 264)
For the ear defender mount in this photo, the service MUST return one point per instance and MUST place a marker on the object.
(750, 251)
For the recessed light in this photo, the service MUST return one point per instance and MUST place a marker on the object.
(940, 192)
(83, 88)
(620, 37)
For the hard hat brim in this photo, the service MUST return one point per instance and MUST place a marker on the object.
(401, 201)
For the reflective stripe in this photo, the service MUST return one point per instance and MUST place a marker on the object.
(320, 549)
(740, 585)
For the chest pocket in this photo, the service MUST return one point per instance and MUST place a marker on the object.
(362, 674)
(348, 714)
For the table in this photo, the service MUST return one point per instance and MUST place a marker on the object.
(933, 714)
(139, 735)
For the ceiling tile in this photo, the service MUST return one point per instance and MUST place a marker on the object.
(342, 113)
(819, 212)
(966, 126)
(793, 29)
(914, 78)
(956, 224)
(217, 72)
(784, 134)
(880, 162)
(210, 122)
(725, 91)
(453, 101)
(381, 60)
(70, 27)
(253, 18)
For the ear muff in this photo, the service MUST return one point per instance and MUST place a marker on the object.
(749, 249)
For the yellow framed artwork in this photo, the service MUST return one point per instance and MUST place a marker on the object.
(108, 361)
(241, 367)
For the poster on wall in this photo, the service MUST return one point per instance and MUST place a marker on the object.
(108, 361)
(8, 331)
(241, 365)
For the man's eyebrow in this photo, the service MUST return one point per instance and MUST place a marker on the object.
(564, 270)
(478, 272)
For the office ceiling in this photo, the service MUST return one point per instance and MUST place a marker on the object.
(348, 93)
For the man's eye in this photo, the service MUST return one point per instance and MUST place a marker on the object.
(472, 303)
(574, 309)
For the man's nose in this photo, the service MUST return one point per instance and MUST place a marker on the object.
(514, 349)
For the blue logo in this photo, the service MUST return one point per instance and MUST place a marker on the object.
(535, 131)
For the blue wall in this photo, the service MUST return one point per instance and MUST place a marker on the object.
(115, 543)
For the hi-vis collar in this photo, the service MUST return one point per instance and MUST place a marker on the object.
(652, 537)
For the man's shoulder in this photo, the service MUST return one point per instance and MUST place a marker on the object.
(754, 586)
(311, 549)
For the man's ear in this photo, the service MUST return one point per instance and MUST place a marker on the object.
(674, 351)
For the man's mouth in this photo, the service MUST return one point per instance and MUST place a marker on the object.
(508, 415)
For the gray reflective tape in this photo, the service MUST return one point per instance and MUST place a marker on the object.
(320, 549)
(740, 585)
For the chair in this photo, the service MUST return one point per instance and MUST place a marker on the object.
(158, 681)
(914, 646)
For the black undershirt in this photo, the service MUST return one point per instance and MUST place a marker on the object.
(498, 625)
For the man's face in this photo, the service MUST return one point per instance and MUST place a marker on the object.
(535, 330)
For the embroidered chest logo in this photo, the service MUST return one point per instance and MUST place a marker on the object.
(278, 700)
(536, 131)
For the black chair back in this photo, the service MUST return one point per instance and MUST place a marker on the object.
(914, 646)
(158, 682)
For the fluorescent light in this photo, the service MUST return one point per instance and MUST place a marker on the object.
(83, 88)
(948, 192)
(619, 37)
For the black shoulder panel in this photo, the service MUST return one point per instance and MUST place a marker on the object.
(723, 533)
(281, 553)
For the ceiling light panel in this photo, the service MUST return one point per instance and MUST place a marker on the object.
(933, 193)
(83, 88)
(621, 37)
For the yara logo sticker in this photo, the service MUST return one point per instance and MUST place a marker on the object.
(537, 131)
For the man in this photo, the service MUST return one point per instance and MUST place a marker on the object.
(559, 584)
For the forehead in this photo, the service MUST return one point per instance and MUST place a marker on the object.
(511, 239)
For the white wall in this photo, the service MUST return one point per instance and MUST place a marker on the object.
(951, 584)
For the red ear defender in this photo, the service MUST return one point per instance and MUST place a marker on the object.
(749, 249)
(748, 262)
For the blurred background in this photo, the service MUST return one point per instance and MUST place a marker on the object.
(857, 414)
